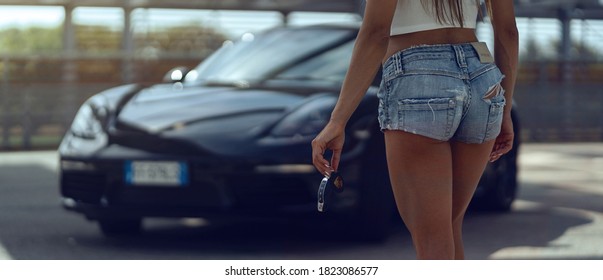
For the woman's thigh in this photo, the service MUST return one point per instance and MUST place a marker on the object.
(420, 171)
(468, 164)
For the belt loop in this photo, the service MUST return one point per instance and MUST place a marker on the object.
(398, 57)
(460, 56)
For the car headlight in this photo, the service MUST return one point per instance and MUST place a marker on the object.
(87, 133)
(308, 120)
(87, 123)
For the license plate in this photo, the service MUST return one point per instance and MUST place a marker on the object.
(157, 173)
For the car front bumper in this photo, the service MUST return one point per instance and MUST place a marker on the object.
(97, 188)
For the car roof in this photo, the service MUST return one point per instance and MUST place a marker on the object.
(350, 25)
(337, 25)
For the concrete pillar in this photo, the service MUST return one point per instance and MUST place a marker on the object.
(69, 47)
(128, 46)
(566, 43)
(4, 113)
(286, 18)
(566, 72)
(70, 71)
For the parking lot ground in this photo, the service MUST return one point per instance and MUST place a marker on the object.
(561, 185)
(558, 215)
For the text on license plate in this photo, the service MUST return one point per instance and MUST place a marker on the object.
(156, 173)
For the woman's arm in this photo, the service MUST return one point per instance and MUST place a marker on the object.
(506, 49)
(369, 51)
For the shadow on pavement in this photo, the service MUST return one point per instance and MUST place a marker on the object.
(245, 240)
(542, 215)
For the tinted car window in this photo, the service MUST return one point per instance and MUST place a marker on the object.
(254, 58)
(331, 65)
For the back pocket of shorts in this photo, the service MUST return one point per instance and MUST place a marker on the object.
(431, 117)
(495, 116)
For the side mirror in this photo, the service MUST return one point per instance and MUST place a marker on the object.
(176, 75)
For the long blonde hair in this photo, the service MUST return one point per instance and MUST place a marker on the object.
(455, 16)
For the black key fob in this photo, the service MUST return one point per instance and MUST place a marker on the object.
(328, 186)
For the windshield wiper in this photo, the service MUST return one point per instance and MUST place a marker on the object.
(237, 84)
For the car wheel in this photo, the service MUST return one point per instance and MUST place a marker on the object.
(498, 187)
(120, 227)
(499, 184)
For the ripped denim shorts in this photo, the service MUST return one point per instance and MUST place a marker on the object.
(442, 92)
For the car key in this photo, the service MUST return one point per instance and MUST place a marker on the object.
(328, 185)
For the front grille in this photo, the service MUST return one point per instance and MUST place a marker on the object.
(141, 140)
(211, 185)
(86, 187)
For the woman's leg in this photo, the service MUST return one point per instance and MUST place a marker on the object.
(420, 170)
(468, 164)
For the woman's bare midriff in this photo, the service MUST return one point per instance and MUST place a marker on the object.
(430, 37)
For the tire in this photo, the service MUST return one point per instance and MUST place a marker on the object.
(498, 187)
(120, 227)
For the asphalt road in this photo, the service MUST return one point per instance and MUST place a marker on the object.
(559, 215)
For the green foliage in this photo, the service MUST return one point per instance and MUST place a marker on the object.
(97, 39)
(31, 40)
(188, 38)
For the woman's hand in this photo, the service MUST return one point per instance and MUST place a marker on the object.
(332, 138)
(504, 141)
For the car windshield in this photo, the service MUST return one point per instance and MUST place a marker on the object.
(331, 65)
(278, 52)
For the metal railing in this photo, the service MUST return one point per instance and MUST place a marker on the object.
(40, 95)
(38, 103)
(557, 99)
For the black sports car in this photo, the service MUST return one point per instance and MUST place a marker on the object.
(231, 138)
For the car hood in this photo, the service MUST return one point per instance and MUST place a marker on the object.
(165, 107)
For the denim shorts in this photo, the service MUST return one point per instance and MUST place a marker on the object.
(442, 92)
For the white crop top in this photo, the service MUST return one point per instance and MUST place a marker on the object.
(410, 16)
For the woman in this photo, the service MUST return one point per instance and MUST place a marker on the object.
(442, 108)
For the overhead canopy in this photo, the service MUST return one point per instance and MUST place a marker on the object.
(285, 6)
(580, 9)
(577, 9)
